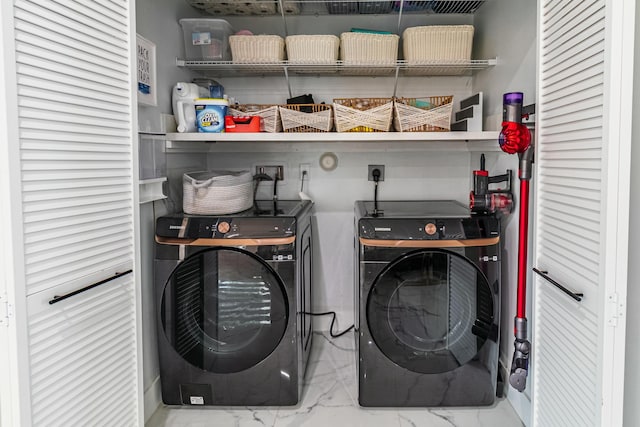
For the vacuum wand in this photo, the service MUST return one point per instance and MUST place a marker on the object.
(516, 138)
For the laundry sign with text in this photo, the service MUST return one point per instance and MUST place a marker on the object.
(146, 71)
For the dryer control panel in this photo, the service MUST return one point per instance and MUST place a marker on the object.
(206, 227)
(429, 228)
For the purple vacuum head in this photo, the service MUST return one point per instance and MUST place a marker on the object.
(512, 98)
(512, 107)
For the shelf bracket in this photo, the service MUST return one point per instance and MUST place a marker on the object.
(400, 15)
(284, 19)
(286, 76)
(395, 83)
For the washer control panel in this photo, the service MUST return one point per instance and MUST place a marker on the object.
(429, 228)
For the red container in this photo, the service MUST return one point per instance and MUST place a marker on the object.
(242, 123)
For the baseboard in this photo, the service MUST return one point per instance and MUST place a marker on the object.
(152, 399)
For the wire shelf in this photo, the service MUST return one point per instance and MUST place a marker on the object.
(287, 68)
(334, 7)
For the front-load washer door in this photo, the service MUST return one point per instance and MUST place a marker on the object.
(430, 311)
(224, 310)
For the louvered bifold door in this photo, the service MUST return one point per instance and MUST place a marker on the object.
(577, 224)
(75, 133)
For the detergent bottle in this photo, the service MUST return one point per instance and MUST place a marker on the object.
(183, 102)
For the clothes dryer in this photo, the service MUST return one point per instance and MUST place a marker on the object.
(428, 304)
(232, 297)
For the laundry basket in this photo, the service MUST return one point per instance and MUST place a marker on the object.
(217, 192)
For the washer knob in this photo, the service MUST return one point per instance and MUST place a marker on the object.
(430, 229)
(223, 227)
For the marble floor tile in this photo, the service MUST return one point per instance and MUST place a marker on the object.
(330, 399)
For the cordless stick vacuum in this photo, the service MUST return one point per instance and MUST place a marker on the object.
(516, 138)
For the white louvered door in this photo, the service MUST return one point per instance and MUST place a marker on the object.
(583, 147)
(75, 125)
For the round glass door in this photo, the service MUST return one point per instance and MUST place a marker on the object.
(224, 310)
(430, 311)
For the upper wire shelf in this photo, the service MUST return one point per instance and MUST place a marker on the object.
(341, 68)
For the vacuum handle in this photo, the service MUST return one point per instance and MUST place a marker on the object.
(575, 295)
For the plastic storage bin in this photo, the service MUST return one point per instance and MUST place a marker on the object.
(152, 157)
(206, 39)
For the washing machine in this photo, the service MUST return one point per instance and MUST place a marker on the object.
(232, 293)
(428, 304)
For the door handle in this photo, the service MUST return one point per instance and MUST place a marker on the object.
(544, 274)
(59, 298)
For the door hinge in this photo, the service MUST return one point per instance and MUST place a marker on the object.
(615, 309)
(6, 310)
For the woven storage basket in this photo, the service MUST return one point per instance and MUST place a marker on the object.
(269, 115)
(319, 117)
(366, 48)
(217, 192)
(437, 42)
(363, 114)
(256, 49)
(431, 114)
(312, 49)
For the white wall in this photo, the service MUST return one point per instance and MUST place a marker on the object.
(632, 374)
(515, 72)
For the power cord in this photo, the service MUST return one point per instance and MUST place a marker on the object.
(376, 179)
(304, 175)
(333, 320)
(258, 178)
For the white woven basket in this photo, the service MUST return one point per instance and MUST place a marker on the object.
(366, 48)
(256, 49)
(363, 114)
(217, 192)
(312, 49)
(294, 119)
(437, 42)
(432, 114)
(269, 115)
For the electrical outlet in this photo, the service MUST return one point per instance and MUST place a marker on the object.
(374, 167)
(273, 171)
(305, 168)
